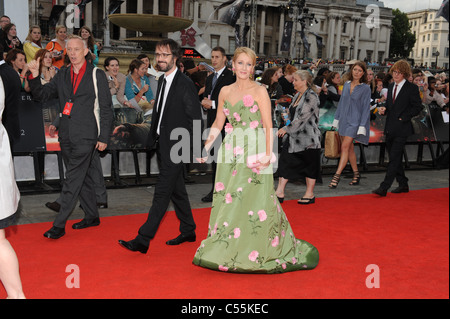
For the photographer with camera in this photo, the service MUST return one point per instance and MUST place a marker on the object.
(432, 94)
(10, 40)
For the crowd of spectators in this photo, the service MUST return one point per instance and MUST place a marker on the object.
(136, 89)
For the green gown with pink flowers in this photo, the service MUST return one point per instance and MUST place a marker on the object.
(248, 230)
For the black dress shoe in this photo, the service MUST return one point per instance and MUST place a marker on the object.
(181, 239)
(401, 189)
(208, 198)
(380, 191)
(53, 206)
(55, 232)
(133, 245)
(85, 223)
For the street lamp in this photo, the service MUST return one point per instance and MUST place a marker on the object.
(352, 46)
(40, 13)
(436, 55)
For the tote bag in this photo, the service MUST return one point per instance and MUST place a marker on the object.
(332, 145)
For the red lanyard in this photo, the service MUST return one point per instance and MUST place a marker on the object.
(77, 81)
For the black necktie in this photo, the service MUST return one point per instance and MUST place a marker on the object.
(160, 104)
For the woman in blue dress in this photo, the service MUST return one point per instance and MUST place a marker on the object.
(352, 119)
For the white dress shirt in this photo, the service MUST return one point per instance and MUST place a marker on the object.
(169, 79)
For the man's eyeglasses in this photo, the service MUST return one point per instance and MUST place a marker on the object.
(162, 55)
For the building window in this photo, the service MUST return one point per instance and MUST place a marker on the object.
(436, 25)
(428, 37)
(428, 52)
(215, 40)
(369, 55)
(436, 36)
(423, 51)
(231, 44)
(216, 13)
(446, 52)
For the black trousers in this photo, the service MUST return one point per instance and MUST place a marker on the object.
(395, 171)
(79, 182)
(170, 185)
(100, 187)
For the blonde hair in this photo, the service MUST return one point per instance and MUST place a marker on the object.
(31, 30)
(306, 76)
(249, 52)
(59, 27)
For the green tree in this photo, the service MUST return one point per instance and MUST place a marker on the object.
(402, 39)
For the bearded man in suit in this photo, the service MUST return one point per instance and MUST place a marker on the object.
(177, 109)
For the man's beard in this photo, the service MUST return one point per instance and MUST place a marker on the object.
(166, 66)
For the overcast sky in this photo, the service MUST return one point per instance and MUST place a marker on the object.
(412, 5)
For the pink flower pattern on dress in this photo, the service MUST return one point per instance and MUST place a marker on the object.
(254, 124)
(258, 226)
(228, 128)
(253, 255)
(254, 108)
(219, 187)
(262, 215)
(248, 100)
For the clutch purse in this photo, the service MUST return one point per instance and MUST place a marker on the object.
(253, 159)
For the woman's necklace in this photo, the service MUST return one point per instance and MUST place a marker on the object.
(297, 101)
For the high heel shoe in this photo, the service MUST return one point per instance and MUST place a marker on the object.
(307, 201)
(280, 199)
(335, 181)
(356, 178)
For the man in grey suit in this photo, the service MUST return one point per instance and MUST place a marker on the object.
(84, 127)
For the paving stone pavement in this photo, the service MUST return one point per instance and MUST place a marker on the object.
(137, 199)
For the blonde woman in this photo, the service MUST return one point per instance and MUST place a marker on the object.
(300, 158)
(242, 235)
(58, 45)
(32, 43)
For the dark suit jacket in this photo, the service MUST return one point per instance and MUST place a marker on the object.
(81, 125)
(226, 78)
(407, 105)
(181, 109)
(11, 83)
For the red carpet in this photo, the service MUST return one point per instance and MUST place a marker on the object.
(405, 235)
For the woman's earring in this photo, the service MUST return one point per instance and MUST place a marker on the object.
(233, 72)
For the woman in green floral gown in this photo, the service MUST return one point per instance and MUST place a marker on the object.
(248, 230)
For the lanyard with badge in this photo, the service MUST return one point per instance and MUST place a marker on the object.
(75, 81)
